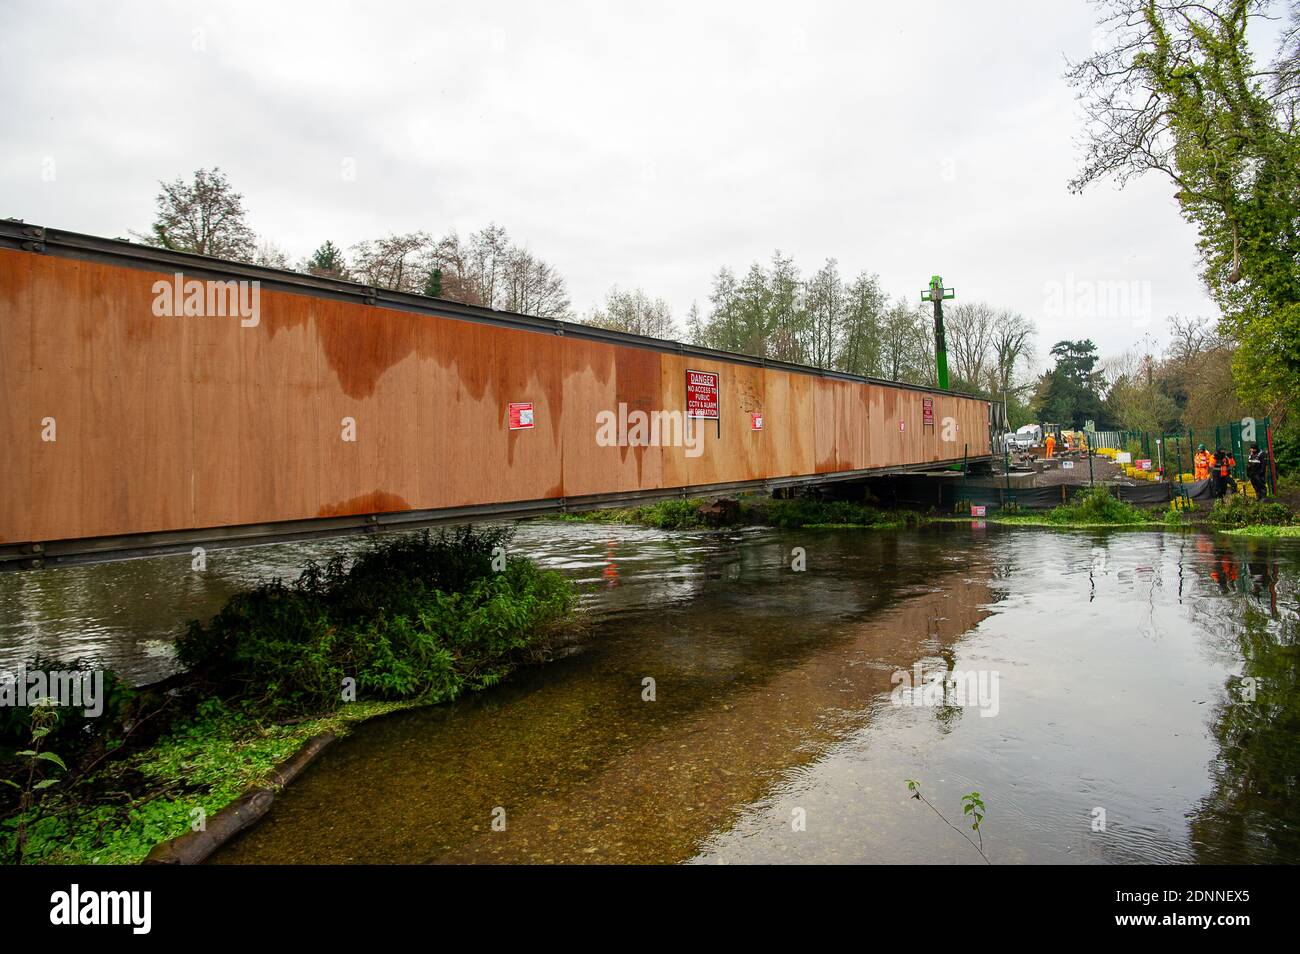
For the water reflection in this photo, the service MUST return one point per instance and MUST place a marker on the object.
(1252, 813)
(1127, 663)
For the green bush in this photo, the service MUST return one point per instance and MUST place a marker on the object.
(802, 512)
(1097, 506)
(664, 515)
(422, 617)
(1286, 447)
(672, 515)
(72, 731)
(1242, 511)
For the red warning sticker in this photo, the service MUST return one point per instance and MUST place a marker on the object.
(521, 416)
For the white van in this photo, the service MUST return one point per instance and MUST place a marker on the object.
(1031, 435)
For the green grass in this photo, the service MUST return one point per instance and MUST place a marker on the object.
(205, 761)
(1265, 530)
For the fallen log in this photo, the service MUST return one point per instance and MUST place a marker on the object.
(195, 847)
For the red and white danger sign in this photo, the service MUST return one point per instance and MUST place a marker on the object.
(521, 416)
(702, 395)
(756, 420)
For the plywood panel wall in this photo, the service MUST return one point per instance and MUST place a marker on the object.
(175, 423)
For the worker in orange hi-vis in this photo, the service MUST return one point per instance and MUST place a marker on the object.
(1050, 443)
(1201, 463)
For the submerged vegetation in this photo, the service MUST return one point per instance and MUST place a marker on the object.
(417, 620)
(785, 514)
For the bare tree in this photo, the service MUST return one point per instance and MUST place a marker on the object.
(271, 255)
(1133, 397)
(530, 286)
(1286, 82)
(1012, 343)
(392, 262)
(1191, 337)
(451, 257)
(488, 270)
(969, 328)
(635, 312)
(205, 216)
(696, 329)
(487, 252)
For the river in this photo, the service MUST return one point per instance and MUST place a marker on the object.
(728, 708)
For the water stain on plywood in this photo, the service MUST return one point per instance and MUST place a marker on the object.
(377, 501)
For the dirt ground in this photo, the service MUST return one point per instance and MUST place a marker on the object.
(1102, 470)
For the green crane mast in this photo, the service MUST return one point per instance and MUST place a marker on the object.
(937, 293)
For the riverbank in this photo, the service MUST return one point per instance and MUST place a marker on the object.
(1093, 509)
(417, 621)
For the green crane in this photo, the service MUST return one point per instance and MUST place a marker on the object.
(937, 293)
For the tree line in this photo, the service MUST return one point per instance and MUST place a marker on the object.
(207, 216)
(1187, 384)
(854, 325)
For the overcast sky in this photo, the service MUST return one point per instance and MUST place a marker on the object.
(643, 145)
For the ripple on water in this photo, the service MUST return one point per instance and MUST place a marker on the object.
(772, 735)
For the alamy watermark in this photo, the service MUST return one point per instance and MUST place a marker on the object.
(1088, 300)
(191, 298)
(972, 688)
(638, 428)
(71, 688)
(76, 906)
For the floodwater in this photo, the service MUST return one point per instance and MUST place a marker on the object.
(1114, 697)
